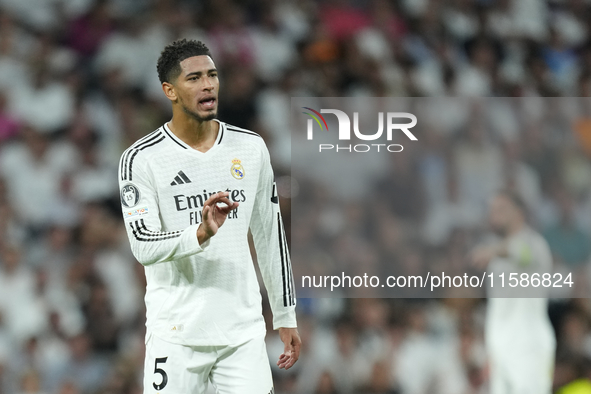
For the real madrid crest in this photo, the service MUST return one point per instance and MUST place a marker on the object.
(237, 170)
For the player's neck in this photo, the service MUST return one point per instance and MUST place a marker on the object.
(199, 135)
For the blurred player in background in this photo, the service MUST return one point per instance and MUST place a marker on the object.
(190, 192)
(519, 336)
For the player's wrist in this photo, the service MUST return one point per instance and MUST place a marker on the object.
(287, 328)
(203, 235)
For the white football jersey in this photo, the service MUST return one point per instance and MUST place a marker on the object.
(518, 322)
(519, 336)
(208, 294)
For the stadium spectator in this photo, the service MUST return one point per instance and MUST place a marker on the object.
(77, 87)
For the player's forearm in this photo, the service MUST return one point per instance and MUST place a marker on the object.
(151, 249)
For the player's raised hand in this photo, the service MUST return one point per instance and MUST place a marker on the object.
(214, 216)
(291, 351)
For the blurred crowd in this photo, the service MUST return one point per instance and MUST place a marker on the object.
(424, 210)
(78, 85)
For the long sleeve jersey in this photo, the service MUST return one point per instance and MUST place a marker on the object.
(201, 295)
(519, 324)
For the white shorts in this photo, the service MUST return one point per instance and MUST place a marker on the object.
(518, 372)
(178, 369)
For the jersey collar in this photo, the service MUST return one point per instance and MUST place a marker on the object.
(183, 145)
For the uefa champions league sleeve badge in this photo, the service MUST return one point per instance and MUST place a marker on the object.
(130, 196)
(237, 170)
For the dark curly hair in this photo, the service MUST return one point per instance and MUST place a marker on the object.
(169, 62)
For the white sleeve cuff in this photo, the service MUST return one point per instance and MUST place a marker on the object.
(286, 319)
(189, 241)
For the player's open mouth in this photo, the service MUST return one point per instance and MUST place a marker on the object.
(207, 103)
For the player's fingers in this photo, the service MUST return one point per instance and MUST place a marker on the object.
(282, 362)
(210, 200)
(205, 213)
(214, 197)
(290, 356)
(294, 355)
(226, 210)
(282, 358)
(288, 359)
(225, 200)
(286, 365)
(290, 362)
(296, 349)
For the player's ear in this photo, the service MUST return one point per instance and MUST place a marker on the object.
(169, 91)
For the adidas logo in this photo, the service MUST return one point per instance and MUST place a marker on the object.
(180, 179)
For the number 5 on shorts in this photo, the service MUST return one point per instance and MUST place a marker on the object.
(161, 372)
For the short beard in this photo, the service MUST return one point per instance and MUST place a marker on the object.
(197, 117)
